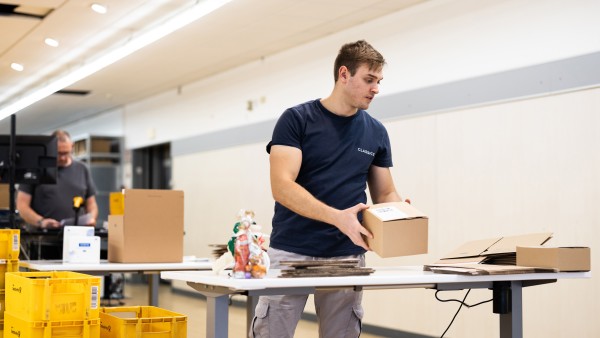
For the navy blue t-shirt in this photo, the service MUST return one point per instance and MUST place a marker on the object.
(337, 153)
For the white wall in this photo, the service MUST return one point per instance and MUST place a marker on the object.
(107, 124)
(506, 168)
(436, 42)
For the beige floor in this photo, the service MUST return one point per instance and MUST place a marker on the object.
(195, 309)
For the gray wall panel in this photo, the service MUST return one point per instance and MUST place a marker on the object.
(252, 133)
(568, 74)
(558, 76)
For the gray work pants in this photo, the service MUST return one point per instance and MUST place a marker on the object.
(339, 312)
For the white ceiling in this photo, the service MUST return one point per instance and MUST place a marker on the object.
(240, 32)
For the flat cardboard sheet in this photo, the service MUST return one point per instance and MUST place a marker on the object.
(498, 254)
(478, 250)
(483, 269)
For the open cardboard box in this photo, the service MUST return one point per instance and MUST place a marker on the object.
(398, 229)
(488, 256)
(150, 229)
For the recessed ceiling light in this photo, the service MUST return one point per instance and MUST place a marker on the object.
(51, 42)
(17, 66)
(145, 38)
(99, 8)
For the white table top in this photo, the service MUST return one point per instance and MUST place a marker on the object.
(58, 265)
(382, 276)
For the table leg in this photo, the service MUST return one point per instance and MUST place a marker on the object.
(217, 316)
(153, 285)
(511, 322)
(39, 248)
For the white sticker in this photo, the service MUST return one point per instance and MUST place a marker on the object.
(94, 300)
(388, 213)
(15, 243)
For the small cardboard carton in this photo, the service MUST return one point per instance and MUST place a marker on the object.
(150, 229)
(398, 229)
(559, 258)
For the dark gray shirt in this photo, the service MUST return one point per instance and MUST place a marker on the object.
(56, 200)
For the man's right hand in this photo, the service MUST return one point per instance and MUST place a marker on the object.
(347, 222)
(49, 223)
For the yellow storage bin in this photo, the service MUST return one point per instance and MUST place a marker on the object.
(15, 327)
(141, 322)
(9, 243)
(11, 265)
(55, 295)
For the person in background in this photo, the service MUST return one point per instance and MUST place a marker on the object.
(323, 153)
(45, 205)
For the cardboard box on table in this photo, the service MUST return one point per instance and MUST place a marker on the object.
(488, 256)
(558, 258)
(398, 229)
(150, 229)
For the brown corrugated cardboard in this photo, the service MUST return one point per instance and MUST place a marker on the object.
(398, 229)
(498, 254)
(150, 229)
(473, 269)
(100, 145)
(560, 258)
(479, 250)
(4, 196)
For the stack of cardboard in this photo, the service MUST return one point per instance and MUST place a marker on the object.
(511, 254)
(324, 268)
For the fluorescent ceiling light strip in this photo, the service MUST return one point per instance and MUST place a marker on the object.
(176, 22)
(122, 25)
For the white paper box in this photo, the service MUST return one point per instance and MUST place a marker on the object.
(80, 245)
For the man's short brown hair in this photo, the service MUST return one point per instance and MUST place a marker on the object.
(354, 54)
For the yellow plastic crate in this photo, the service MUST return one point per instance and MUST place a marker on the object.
(15, 327)
(55, 296)
(11, 265)
(9, 243)
(141, 322)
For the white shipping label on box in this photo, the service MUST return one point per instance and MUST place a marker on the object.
(388, 213)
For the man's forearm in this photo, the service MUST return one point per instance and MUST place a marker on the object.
(390, 197)
(29, 215)
(299, 200)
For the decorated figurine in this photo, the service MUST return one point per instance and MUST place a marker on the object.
(250, 260)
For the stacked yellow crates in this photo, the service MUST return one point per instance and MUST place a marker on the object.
(9, 262)
(52, 304)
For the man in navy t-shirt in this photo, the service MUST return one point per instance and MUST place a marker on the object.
(323, 154)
